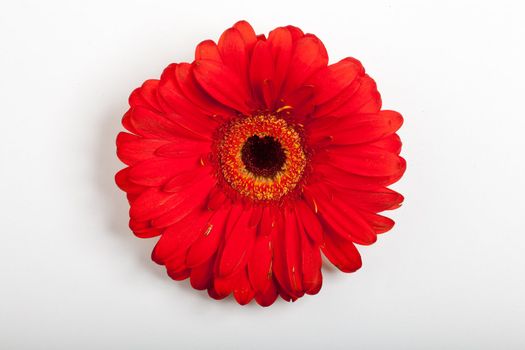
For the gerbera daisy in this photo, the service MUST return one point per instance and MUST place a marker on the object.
(255, 158)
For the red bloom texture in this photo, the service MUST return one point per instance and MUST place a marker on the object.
(256, 158)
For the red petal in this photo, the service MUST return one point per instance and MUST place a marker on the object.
(379, 223)
(247, 34)
(342, 253)
(207, 50)
(267, 297)
(175, 265)
(223, 84)
(132, 149)
(267, 221)
(149, 124)
(333, 79)
(301, 101)
(143, 229)
(223, 286)
(186, 178)
(328, 108)
(376, 200)
(237, 211)
(238, 245)
(296, 32)
(262, 74)
(214, 294)
(175, 241)
(292, 254)
(355, 129)
(123, 182)
(216, 199)
(309, 221)
(280, 41)
(390, 143)
(189, 116)
(126, 122)
(191, 198)
(311, 266)
(157, 171)
(233, 52)
(183, 148)
(331, 174)
(152, 203)
(179, 275)
(364, 160)
(279, 263)
(243, 291)
(287, 296)
(342, 219)
(365, 100)
(146, 96)
(196, 95)
(206, 245)
(260, 263)
(200, 276)
(308, 57)
(256, 216)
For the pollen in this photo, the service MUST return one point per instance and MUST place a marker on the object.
(261, 157)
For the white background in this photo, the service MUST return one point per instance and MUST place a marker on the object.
(450, 275)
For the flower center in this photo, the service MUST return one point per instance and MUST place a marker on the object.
(261, 157)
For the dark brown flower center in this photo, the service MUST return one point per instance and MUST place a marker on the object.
(263, 156)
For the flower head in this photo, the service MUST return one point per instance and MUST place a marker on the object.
(255, 158)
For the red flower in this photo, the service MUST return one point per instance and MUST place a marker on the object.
(256, 157)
